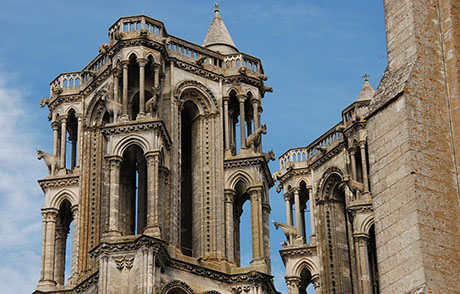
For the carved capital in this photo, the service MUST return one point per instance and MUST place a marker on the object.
(360, 236)
(55, 125)
(241, 98)
(152, 157)
(63, 118)
(229, 195)
(226, 99)
(49, 214)
(124, 64)
(293, 282)
(142, 61)
(116, 72)
(315, 281)
(115, 161)
(287, 197)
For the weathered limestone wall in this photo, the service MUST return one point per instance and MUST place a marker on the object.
(412, 151)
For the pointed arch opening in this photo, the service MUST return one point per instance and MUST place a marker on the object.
(63, 243)
(372, 256)
(189, 165)
(72, 139)
(133, 191)
(242, 231)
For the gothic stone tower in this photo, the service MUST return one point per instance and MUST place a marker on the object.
(327, 184)
(157, 173)
(410, 199)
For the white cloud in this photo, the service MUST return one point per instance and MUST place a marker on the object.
(21, 198)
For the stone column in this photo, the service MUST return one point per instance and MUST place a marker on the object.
(316, 284)
(241, 99)
(255, 109)
(114, 206)
(141, 62)
(352, 152)
(153, 221)
(60, 248)
(124, 65)
(288, 199)
(256, 214)
(298, 217)
(116, 84)
(293, 285)
(79, 135)
(156, 73)
(361, 240)
(55, 126)
(227, 123)
(48, 246)
(362, 146)
(63, 139)
(312, 213)
(75, 243)
(229, 224)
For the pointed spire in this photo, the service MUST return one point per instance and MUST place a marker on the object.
(367, 92)
(218, 37)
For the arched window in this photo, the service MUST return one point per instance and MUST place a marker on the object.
(133, 87)
(306, 285)
(133, 191)
(242, 231)
(305, 212)
(63, 244)
(336, 230)
(234, 113)
(372, 255)
(189, 164)
(72, 132)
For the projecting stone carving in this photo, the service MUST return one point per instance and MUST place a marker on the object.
(254, 139)
(289, 231)
(113, 107)
(51, 161)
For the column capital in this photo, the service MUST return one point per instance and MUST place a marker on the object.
(124, 64)
(114, 160)
(315, 281)
(352, 150)
(255, 189)
(226, 98)
(362, 144)
(293, 282)
(156, 66)
(254, 100)
(151, 155)
(229, 195)
(79, 115)
(50, 214)
(116, 72)
(360, 236)
(55, 125)
(63, 118)
(241, 98)
(74, 210)
(142, 61)
(296, 190)
(287, 196)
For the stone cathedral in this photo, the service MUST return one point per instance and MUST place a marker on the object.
(158, 145)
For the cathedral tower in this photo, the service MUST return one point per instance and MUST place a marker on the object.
(165, 148)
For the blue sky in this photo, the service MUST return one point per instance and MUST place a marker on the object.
(314, 53)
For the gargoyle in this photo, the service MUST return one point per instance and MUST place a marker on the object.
(242, 70)
(269, 156)
(103, 48)
(289, 231)
(321, 148)
(201, 60)
(51, 161)
(254, 138)
(44, 102)
(268, 89)
(91, 73)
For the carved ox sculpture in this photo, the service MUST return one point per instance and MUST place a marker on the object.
(254, 138)
(113, 107)
(289, 231)
(51, 161)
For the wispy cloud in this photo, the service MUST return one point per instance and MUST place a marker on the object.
(21, 198)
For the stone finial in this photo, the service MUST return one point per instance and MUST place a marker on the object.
(216, 7)
(366, 77)
(367, 92)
